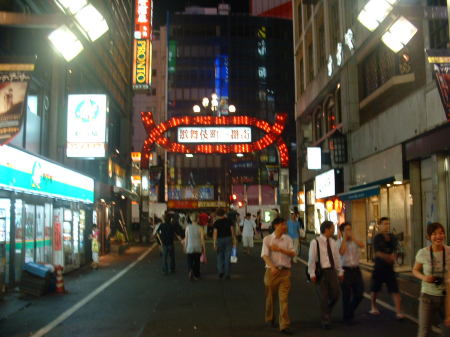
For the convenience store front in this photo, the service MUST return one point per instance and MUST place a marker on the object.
(45, 211)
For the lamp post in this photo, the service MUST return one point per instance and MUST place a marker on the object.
(216, 105)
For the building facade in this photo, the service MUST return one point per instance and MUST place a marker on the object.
(48, 215)
(376, 115)
(245, 61)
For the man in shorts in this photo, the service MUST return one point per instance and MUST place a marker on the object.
(384, 245)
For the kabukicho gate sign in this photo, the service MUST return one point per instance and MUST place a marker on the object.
(214, 135)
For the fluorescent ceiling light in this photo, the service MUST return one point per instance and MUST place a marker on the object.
(189, 155)
(374, 13)
(399, 34)
(71, 6)
(92, 22)
(66, 42)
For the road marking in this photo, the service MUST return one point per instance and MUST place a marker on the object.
(69, 312)
(387, 306)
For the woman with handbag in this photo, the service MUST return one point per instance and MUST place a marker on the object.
(431, 266)
(194, 246)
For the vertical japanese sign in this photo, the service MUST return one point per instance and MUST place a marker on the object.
(142, 51)
(14, 80)
(440, 59)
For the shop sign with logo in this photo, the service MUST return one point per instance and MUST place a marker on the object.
(214, 135)
(325, 184)
(14, 80)
(142, 64)
(23, 172)
(440, 58)
(86, 126)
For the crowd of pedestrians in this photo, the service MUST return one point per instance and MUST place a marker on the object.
(333, 265)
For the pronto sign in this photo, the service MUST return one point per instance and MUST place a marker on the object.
(141, 64)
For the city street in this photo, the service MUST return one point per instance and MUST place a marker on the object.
(144, 302)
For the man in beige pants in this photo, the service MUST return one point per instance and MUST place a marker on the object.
(277, 252)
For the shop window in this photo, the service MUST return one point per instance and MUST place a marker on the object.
(438, 29)
(318, 124)
(334, 25)
(330, 114)
(376, 69)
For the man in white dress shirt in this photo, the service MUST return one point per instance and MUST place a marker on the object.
(353, 285)
(327, 283)
(277, 252)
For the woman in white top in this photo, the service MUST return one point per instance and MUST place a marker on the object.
(195, 245)
(430, 267)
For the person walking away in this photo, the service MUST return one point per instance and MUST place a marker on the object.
(223, 240)
(277, 252)
(95, 246)
(195, 245)
(203, 220)
(384, 245)
(352, 286)
(248, 232)
(327, 285)
(294, 233)
(166, 234)
(258, 222)
(430, 267)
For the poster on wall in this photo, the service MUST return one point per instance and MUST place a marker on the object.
(440, 59)
(14, 80)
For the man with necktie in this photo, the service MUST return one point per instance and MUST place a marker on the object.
(331, 272)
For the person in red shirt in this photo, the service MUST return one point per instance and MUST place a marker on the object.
(203, 220)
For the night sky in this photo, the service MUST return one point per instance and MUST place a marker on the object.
(160, 7)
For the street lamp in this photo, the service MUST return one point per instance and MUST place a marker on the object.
(215, 104)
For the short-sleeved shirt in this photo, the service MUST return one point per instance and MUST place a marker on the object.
(166, 232)
(194, 239)
(223, 227)
(423, 257)
(203, 219)
(248, 227)
(352, 254)
(293, 228)
(380, 244)
(279, 259)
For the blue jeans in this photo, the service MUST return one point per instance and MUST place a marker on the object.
(224, 246)
(168, 258)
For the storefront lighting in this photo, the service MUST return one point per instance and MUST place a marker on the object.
(399, 34)
(398, 182)
(240, 155)
(388, 185)
(123, 197)
(91, 22)
(66, 43)
(189, 155)
(374, 13)
(205, 102)
(71, 6)
(196, 109)
(232, 108)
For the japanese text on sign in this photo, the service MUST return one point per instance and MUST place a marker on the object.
(214, 135)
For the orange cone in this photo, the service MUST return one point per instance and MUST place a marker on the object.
(59, 279)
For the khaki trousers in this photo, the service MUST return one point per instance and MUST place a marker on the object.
(281, 284)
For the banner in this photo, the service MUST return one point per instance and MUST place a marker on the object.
(14, 80)
(440, 58)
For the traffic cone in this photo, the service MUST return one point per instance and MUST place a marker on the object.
(59, 279)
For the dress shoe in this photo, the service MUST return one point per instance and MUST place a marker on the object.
(287, 331)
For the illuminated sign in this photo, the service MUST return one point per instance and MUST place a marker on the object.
(314, 158)
(143, 19)
(214, 135)
(272, 135)
(325, 184)
(142, 64)
(136, 157)
(86, 126)
(23, 172)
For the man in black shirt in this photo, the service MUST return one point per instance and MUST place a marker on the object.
(385, 245)
(223, 238)
(166, 234)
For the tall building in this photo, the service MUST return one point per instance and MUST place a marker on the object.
(68, 167)
(377, 118)
(246, 62)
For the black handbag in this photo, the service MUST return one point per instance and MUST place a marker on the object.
(318, 271)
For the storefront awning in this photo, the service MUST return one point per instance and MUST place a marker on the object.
(360, 193)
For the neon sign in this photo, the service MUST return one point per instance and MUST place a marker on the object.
(272, 135)
(214, 135)
(143, 19)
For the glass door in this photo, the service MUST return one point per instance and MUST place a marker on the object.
(48, 233)
(68, 240)
(82, 227)
(30, 228)
(76, 243)
(20, 237)
(5, 216)
(40, 257)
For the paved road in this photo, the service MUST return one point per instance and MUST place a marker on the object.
(145, 303)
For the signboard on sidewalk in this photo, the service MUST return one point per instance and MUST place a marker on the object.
(440, 58)
(14, 80)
